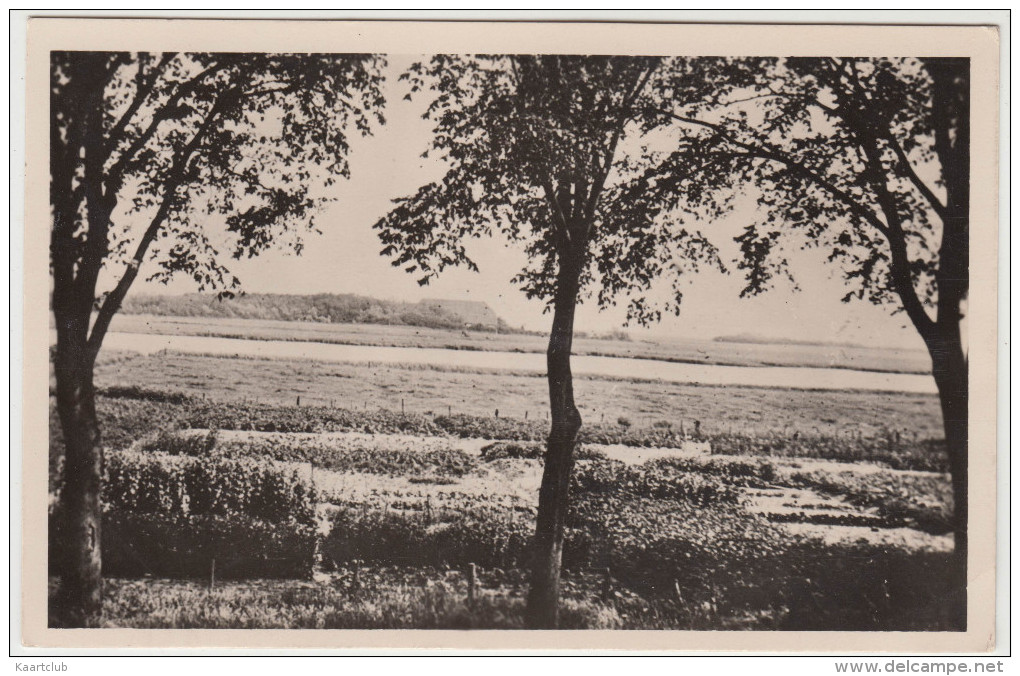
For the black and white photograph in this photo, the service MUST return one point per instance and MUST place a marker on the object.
(526, 330)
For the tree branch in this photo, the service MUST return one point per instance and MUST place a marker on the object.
(792, 164)
(922, 187)
(113, 301)
(144, 87)
(900, 261)
(115, 176)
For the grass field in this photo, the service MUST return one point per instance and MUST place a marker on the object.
(601, 400)
(694, 507)
(679, 350)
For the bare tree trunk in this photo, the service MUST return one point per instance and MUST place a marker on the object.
(554, 495)
(79, 598)
(949, 367)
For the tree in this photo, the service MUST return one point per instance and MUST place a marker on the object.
(868, 158)
(530, 145)
(171, 142)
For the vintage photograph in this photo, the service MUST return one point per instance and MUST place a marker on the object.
(516, 340)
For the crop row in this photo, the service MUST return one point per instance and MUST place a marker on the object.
(923, 501)
(127, 414)
(173, 516)
(338, 454)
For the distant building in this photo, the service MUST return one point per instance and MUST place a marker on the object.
(474, 313)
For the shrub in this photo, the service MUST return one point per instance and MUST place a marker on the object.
(184, 485)
(178, 546)
(923, 454)
(486, 535)
(753, 472)
(651, 480)
(923, 501)
(517, 450)
(356, 454)
(532, 451)
(142, 393)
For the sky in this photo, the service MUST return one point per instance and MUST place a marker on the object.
(388, 165)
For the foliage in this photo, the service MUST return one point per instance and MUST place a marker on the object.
(122, 421)
(170, 516)
(382, 598)
(862, 587)
(500, 450)
(733, 472)
(245, 137)
(655, 480)
(338, 454)
(834, 147)
(489, 535)
(533, 450)
(922, 501)
(323, 307)
(175, 545)
(530, 143)
(175, 484)
(126, 419)
(886, 449)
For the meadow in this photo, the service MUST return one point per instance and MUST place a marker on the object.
(738, 352)
(227, 504)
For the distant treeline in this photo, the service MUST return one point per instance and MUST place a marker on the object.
(324, 307)
(763, 340)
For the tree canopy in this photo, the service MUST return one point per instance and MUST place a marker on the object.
(844, 152)
(176, 142)
(535, 147)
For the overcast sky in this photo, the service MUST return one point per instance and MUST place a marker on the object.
(388, 165)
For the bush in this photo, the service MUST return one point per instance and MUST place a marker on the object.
(187, 486)
(651, 480)
(532, 451)
(486, 535)
(753, 472)
(178, 546)
(922, 501)
(169, 516)
(517, 450)
(356, 454)
(922, 454)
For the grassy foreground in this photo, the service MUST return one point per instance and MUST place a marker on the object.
(405, 512)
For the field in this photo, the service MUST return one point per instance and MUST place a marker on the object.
(693, 507)
(677, 350)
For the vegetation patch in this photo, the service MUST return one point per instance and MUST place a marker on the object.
(338, 454)
(921, 501)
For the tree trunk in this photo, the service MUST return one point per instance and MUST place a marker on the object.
(949, 368)
(554, 496)
(79, 598)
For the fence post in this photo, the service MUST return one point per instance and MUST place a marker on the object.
(299, 400)
(472, 580)
(525, 415)
(401, 406)
(449, 410)
(497, 412)
(212, 574)
(607, 587)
